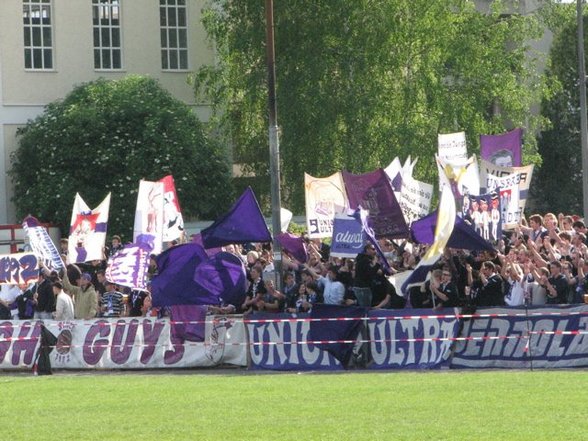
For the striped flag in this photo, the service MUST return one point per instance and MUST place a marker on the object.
(443, 230)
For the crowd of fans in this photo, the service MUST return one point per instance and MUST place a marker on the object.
(543, 261)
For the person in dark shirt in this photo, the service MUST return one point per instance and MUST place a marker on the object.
(45, 298)
(491, 293)
(445, 291)
(365, 272)
(556, 285)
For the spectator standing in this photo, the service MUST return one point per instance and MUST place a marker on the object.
(64, 307)
(112, 301)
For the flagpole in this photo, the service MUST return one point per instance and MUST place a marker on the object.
(273, 140)
(583, 117)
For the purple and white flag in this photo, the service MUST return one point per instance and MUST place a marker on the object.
(129, 266)
(503, 150)
(87, 233)
(373, 191)
(41, 243)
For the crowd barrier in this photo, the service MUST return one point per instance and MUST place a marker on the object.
(334, 338)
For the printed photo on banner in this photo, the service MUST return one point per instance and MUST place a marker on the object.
(484, 214)
(504, 149)
(515, 176)
(87, 234)
(509, 198)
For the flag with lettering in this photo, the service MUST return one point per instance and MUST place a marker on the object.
(41, 243)
(129, 266)
(87, 233)
(325, 198)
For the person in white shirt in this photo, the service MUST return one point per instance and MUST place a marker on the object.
(64, 307)
(333, 290)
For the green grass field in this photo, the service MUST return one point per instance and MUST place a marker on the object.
(454, 405)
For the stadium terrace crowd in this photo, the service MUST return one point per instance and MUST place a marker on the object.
(543, 261)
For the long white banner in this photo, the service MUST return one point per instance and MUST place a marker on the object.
(126, 343)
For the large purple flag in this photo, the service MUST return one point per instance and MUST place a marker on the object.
(223, 276)
(294, 245)
(503, 149)
(174, 284)
(243, 223)
(373, 192)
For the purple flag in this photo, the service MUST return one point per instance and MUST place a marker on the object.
(504, 149)
(197, 238)
(188, 322)
(373, 192)
(348, 237)
(224, 277)
(335, 333)
(129, 266)
(463, 235)
(294, 245)
(243, 223)
(174, 284)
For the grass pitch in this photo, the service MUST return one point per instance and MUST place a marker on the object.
(454, 405)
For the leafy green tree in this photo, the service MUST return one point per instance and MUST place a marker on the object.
(104, 137)
(361, 81)
(557, 185)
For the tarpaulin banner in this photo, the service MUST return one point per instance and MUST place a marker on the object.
(87, 233)
(19, 268)
(411, 339)
(129, 343)
(536, 337)
(282, 345)
(325, 198)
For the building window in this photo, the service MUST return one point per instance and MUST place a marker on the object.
(38, 38)
(107, 40)
(174, 34)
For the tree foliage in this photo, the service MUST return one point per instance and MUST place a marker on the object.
(104, 137)
(361, 81)
(558, 183)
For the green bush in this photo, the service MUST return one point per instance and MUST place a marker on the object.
(104, 137)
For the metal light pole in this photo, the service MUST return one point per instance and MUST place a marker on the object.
(583, 117)
(274, 145)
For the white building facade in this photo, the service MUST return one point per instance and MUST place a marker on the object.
(47, 47)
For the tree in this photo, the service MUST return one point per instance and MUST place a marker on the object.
(361, 81)
(557, 184)
(104, 137)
